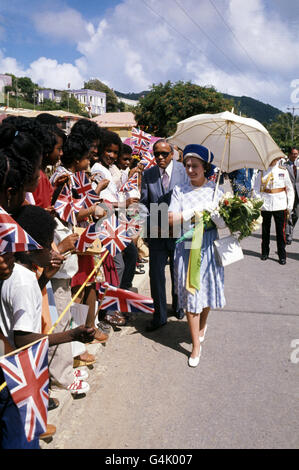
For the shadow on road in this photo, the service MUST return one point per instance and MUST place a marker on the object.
(293, 256)
(170, 335)
(251, 253)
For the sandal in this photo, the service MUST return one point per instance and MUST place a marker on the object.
(85, 359)
(104, 327)
(115, 319)
(100, 337)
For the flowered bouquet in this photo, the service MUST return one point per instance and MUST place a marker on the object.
(241, 214)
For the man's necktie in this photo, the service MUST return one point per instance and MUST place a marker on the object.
(295, 170)
(165, 180)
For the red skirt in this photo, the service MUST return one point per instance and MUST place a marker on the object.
(86, 265)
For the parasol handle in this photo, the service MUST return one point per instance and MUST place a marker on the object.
(227, 136)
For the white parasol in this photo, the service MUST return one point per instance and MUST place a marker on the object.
(236, 142)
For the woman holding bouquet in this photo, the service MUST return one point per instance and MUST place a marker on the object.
(202, 288)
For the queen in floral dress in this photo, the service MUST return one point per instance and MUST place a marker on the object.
(187, 201)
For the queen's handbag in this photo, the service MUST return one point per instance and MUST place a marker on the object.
(227, 250)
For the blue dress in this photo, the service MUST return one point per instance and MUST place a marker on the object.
(211, 292)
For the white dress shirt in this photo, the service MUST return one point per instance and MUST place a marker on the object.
(275, 177)
(168, 171)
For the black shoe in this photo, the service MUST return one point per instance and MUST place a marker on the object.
(52, 404)
(138, 270)
(154, 326)
(282, 261)
(180, 314)
(264, 257)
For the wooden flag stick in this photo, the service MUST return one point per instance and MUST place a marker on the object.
(79, 292)
(2, 386)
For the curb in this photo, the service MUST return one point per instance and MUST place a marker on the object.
(66, 399)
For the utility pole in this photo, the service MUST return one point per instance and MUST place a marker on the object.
(68, 97)
(292, 108)
(17, 92)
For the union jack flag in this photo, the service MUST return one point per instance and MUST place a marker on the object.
(148, 160)
(90, 234)
(12, 237)
(83, 187)
(140, 141)
(123, 300)
(131, 184)
(66, 207)
(113, 235)
(132, 223)
(27, 378)
(140, 137)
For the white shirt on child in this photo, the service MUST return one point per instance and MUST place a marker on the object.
(70, 266)
(110, 193)
(20, 304)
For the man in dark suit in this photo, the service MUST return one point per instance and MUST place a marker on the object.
(292, 165)
(156, 189)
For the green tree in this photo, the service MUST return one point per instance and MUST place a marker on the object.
(71, 104)
(49, 105)
(112, 104)
(165, 105)
(281, 131)
(26, 87)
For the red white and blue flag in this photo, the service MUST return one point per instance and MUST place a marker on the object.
(13, 237)
(90, 234)
(27, 378)
(140, 141)
(140, 137)
(123, 300)
(67, 207)
(83, 187)
(113, 235)
(148, 160)
(131, 184)
(132, 223)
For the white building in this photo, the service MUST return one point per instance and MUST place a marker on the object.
(94, 101)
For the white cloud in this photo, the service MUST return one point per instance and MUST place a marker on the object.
(133, 47)
(10, 65)
(45, 72)
(67, 24)
(48, 73)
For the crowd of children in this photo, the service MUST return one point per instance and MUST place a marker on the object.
(37, 161)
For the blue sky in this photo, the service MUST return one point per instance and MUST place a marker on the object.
(242, 48)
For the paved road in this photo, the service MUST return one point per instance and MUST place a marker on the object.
(244, 394)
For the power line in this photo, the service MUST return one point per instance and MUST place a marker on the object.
(207, 36)
(172, 27)
(234, 35)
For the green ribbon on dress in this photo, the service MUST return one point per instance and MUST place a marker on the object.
(193, 274)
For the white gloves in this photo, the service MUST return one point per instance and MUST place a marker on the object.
(218, 220)
(188, 214)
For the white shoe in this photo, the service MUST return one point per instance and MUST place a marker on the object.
(194, 361)
(202, 338)
(80, 374)
(78, 386)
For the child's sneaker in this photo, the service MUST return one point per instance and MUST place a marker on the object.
(78, 386)
(80, 374)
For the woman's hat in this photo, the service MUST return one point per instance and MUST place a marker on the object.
(200, 152)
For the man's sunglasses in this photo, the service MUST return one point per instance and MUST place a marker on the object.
(163, 154)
